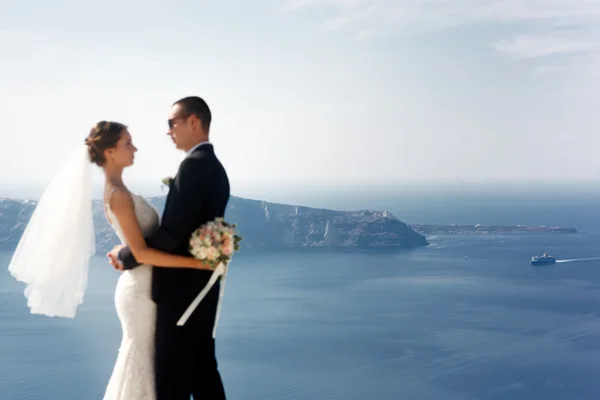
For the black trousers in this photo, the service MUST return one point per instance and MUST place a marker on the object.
(185, 361)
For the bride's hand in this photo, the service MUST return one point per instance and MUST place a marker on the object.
(202, 265)
(113, 257)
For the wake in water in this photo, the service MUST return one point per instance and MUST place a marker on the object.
(579, 260)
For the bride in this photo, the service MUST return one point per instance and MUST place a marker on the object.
(52, 259)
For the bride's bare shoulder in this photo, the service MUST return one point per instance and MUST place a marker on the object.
(118, 197)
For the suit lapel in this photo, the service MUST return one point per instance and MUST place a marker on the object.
(208, 148)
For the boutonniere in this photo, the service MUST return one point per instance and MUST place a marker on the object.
(166, 182)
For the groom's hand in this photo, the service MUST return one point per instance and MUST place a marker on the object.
(113, 258)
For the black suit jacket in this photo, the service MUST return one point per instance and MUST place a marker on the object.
(199, 193)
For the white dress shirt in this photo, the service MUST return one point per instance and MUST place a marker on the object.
(195, 147)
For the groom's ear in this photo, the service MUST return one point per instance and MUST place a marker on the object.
(193, 119)
(196, 122)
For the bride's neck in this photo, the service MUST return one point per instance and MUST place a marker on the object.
(113, 177)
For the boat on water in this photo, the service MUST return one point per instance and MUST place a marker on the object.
(542, 260)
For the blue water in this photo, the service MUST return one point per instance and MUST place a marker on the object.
(421, 324)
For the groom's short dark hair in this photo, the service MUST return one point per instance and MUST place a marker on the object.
(197, 106)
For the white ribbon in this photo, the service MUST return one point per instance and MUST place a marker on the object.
(221, 270)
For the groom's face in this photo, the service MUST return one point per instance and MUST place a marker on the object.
(180, 129)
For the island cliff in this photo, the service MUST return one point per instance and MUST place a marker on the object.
(272, 226)
(265, 226)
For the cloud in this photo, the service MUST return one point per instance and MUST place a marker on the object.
(417, 16)
(351, 17)
(572, 53)
(539, 28)
(544, 45)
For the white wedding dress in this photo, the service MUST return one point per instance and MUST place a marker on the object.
(133, 375)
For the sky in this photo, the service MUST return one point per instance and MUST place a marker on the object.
(308, 93)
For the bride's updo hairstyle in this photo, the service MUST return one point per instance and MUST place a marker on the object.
(103, 136)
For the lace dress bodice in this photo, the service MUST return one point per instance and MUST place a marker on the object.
(147, 216)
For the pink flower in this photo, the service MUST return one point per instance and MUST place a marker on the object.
(228, 249)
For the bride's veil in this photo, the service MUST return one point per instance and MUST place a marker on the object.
(52, 257)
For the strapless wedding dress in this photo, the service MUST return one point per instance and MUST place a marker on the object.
(133, 374)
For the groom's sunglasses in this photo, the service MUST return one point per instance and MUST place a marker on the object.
(171, 121)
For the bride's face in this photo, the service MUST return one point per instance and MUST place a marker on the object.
(122, 155)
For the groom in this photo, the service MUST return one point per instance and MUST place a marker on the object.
(185, 361)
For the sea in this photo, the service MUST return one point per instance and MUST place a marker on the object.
(465, 318)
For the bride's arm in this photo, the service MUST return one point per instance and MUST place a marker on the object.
(121, 204)
(191, 186)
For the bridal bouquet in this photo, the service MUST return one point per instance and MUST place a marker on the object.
(215, 242)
